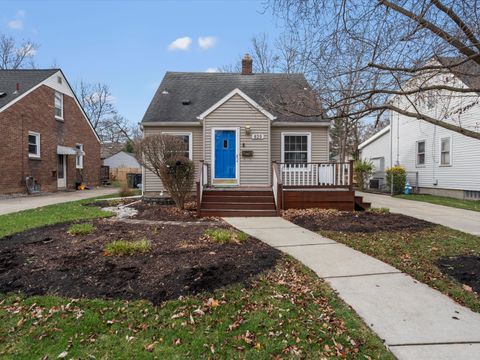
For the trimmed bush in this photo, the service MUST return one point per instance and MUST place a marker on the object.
(396, 177)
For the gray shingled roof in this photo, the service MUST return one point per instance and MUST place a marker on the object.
(26, 79)
(468, 72)
(202, 90)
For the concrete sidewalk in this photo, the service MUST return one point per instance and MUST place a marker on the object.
(415, 321)
(459, 219)
(11, 205)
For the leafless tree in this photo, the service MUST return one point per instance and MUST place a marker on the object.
(116, 129)
(264, 58)
(98, 102)
(15, 55)
(162, 155)
(408, 49)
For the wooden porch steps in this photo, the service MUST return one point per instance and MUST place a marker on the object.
(238, 203)
(361, 205)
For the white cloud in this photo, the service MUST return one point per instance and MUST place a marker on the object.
(212, 69)
(206, 42)
(182, 43)
(17, 23)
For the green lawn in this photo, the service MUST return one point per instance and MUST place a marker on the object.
(285, 313)
(47, 215)
(416, 252)
(446, 201)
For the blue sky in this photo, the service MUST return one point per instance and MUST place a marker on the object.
(130, 44)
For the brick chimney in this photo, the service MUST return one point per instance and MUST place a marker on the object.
(247, 64)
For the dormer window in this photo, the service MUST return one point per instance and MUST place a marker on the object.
(58, 106)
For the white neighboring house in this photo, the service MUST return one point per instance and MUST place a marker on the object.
(121, 159)
(445, 162)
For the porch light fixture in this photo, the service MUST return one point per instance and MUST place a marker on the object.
(248, 130)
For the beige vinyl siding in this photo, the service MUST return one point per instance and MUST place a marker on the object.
(319, 141)
(238, 113)
(153, 182)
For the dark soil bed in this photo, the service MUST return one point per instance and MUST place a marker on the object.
(465, 269)
(155, 211)
(354, 221)
(49, 261)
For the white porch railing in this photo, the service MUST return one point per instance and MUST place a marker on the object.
(317, 175)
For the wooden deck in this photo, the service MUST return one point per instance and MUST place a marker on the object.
(294, 186)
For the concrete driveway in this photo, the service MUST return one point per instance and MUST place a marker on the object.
(459, 219)
(11, 205)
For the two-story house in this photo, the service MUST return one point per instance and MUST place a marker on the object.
(47, 142)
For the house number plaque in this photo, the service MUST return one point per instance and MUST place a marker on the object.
(258, 136)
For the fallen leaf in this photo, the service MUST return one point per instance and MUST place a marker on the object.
(150, 347)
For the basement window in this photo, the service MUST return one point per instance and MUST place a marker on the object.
(33, 145)
(58, 106)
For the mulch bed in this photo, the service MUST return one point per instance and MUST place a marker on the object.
(160, 212)
(353, 221)
(465, 269)
(47, 260)
(148, 210)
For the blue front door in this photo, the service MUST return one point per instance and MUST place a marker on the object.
(225, 154)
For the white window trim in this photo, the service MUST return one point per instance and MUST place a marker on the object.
(190, 140)
(37, 135)
(55, 106)
(450, 151)
(79, 166)
(424, 153)
(309, 148)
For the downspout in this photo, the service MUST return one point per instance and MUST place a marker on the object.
(398, 140)
(391, 139)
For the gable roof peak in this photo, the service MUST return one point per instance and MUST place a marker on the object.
(231, 94)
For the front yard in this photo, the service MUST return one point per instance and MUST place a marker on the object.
(445, 259)
(106, 288)
(445, 201)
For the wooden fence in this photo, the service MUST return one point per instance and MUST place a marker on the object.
(120, 174)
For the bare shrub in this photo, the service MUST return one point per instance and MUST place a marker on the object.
(163, 155)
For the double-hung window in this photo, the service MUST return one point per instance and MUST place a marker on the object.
(33, 144)
(446, 151)
(421, 153)
(296, 148)
(79, 157)
(58, 105)
(186, 138)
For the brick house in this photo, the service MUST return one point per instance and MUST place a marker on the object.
(45, 136)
